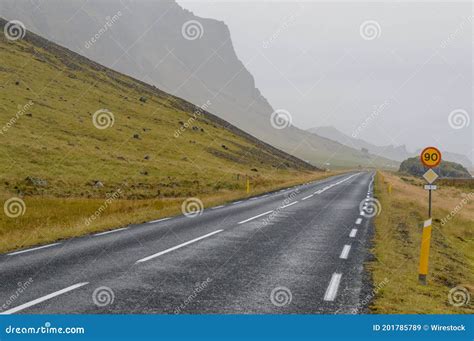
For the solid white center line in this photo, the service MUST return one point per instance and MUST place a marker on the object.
(32, 249)
(177, 247)
(358, 221)
(309, 196)
(333, 286)
(257, 216)
(42, 299)
(290, 204)
(111, 231)
(156, 221)
(345, 252)
(353, 233)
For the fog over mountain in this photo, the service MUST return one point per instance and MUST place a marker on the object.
(396, 69)
(167, 46)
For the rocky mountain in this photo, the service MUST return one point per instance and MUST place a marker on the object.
(446, 169)
(193, 58)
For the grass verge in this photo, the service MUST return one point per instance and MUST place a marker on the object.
(397, 247)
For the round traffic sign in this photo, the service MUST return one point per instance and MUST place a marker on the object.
(430, 157)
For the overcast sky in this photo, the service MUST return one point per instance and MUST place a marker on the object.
(394, 80)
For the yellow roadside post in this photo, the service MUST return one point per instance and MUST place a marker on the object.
(430, 157)
(248, 186)
(389, 188)
(425, 251)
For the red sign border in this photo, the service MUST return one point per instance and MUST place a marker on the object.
(423, 161)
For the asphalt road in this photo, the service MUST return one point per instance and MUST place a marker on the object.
(300, 250)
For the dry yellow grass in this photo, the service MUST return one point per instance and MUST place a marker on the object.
(397, 246)
(48, 219)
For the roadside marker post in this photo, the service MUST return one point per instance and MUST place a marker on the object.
(248, 186)
(430, 157)
(425, 251)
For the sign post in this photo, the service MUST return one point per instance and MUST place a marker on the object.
(430, 157)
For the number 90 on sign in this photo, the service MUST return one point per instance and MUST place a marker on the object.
(430, 157)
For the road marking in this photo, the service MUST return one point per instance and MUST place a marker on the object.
(353, 233)
(237, 202)
(214, 208)
(33, 249)
(290, 204)
(111, 231)
(42, 299)
(318, 192)
(345, 252)
(177, 247)
(309, 196)
(156, 221)
(358, 221)
(263, 196)
(333, 286)
(257, 216)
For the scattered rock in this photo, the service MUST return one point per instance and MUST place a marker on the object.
(143, 99)
(97, 183)
(29, 114)
(136, 136)
(147, 157)
(120, 158)
(144, 172)
(195, 128)
(181, 123)
(36, 181)
(254, 169)
(17, 83)
(225, 147)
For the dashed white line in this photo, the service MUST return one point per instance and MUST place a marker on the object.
(237, 202)
(333, 286)
(215, 208)
(290, 204)
(257, 216)
(156, 221)
(309, 196)
(353, 233)
(176, 247)
(32, 249)
(345, 252)
(358, 221)
(111, 231)
(42, 299)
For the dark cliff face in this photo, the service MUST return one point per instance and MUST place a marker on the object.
(190, 57)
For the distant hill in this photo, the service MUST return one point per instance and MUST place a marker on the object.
(397, 153)
(446, 169)
(198, 68)
(72, 127)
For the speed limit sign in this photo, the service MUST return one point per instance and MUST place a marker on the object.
(430, 157)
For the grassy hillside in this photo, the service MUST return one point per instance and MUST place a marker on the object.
(397, 244)
(158, 151)
(446, 169)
